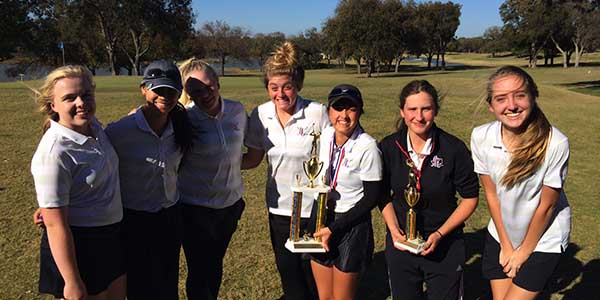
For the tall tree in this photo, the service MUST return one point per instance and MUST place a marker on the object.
(493, 40)
(172, 19)
(14, 26)
(358, 27)
(449, 20)
(530, 25)
(224, 41)
(264, 44)
(584, 15)
(310, 43)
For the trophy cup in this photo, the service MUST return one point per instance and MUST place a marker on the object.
(312, 168)
(414, 242)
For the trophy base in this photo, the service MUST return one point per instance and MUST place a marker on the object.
(303, 246)
(413, 246)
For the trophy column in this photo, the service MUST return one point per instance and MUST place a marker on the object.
(414, 242)
(295, 218)
(312, 168)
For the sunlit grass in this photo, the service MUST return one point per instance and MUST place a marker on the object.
(250, 271)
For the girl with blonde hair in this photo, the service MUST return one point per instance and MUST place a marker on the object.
(210, 179)
(75, 171)
(522, 163)
(281, 128)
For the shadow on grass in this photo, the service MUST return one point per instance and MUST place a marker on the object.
(374, 284)
(591, 87)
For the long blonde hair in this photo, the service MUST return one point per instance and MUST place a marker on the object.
(187, 67)
(284, 61)
(529, 151)
(45, 94)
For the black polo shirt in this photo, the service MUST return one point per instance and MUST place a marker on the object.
(446, 171)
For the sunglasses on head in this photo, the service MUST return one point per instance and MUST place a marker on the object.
(159, 73)
(339, 92)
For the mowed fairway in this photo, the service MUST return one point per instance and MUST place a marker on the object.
(250, 271)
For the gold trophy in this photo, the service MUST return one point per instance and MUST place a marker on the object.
(312, 168)
(414, 242)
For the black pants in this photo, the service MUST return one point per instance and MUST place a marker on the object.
(153, 241)
(296, 276)
(441, 270)
(206, 235)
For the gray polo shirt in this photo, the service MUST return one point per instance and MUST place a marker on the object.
(78, 172)
(148, 163)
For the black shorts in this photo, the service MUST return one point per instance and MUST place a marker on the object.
(533, 274)
(350, 251)
(100, 259)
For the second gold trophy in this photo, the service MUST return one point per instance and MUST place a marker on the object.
(304, 241)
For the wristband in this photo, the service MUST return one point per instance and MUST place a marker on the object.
(438, 232)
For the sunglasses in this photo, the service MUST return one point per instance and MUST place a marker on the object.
(159, 73)
(349, 92)
(342, 104)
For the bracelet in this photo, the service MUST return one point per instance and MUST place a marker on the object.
(438, 232)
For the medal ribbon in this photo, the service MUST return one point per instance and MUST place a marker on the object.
(413, 165)
(337, 165)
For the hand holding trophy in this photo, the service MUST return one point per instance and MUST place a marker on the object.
(312, 168)
(414, 242)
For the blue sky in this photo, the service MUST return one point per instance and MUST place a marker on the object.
(294, 16)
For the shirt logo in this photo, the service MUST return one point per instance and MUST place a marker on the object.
(437, 162)
(304, 131)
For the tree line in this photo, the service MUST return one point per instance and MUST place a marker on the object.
(536, 28)
(377, 34)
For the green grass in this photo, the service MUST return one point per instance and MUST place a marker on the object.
(250, 271)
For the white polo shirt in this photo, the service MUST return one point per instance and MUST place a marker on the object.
(79, 172)
(418, 158)
(148, 163)
(210, 173)
(519, 203)
(358, 160)
(286, 148)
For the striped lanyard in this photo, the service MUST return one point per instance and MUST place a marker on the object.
(412, 164)
(336, 164)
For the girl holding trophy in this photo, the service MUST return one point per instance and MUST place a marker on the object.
(522, 163)
(423, 169)
(281, 128)
(353, 171)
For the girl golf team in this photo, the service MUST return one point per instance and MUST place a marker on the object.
(118, 203)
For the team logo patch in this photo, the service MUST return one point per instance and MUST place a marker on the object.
(304, 131)
(437, 162)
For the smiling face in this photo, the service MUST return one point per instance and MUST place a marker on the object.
(344, 117)
(73, 100)
(283, 92)
(203, 90)
(510, 102)
(162, 99)
(419, 113)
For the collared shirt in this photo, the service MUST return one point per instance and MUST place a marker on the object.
(358, 160)
(287, 148)
(446, 172)
(210, 174)
(418, 158)
(518, 203)
(148, 163)
(78, 172)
